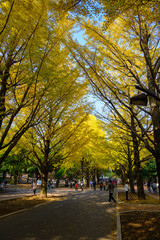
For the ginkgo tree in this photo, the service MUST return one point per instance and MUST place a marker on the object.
(63, 111)
(28, 37)
(118, 57)
(91, 159)
(30, 34)
(122, 153)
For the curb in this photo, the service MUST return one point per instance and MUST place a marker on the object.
(152, 196)
(41, 204)
(26, 209)
(119, 234)
(9, 214)
(16, 197)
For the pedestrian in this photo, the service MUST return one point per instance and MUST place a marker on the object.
(82, 184)
(49, 184)
(104, 185)
(76, 186)
(34, 186)
(91, 185)
(116, 182)
(149, 186)
(111, 191)
(126, 188)
(154, 187)
(101, 185)
(94, 184)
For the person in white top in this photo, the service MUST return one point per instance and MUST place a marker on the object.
(126, 187)
(34, 186)
(91, 184)
(82, 184)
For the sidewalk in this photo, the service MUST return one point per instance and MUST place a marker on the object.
(15, 192)
(151, 193)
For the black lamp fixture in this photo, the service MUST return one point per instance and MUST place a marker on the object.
(139, 99)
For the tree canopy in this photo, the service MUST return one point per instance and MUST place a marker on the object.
(46, 75)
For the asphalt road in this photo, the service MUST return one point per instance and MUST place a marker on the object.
(85, 215)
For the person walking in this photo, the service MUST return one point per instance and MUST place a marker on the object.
(101, 185)
(154, 187)
(126, 188)
(94, 185)
(34, 186)
(104, 185)
(82, 184)
(149, 186)
(111, 191)
(76, 186)
(91, 184)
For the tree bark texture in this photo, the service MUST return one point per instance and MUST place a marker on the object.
(138, 169)
(130, 171)
(44, 186)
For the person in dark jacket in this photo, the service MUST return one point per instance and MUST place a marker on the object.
(94, 184)
(110, 188)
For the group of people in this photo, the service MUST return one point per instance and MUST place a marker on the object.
(108, 186)
(74, 184)
(104, 185)
(153, 186)
(92, 184)
(149, 186)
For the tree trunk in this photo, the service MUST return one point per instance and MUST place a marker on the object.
(153, 77)
(138, 169)
(97, 176)
(158, 172)
(94, 174)
(140, 188)
(156, 128)
(57, 183)
(131, 180)
(123, 178)
(15, 177)
(4, 174)
(44, 186)
(82, 169)
(122, 174)
(130, 172)
(87, 176)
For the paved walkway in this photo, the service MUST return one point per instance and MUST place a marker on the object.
(84, 215)
(11, 193)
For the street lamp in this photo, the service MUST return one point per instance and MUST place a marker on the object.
(139, 99)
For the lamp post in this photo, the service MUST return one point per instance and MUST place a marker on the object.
(141, 99)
